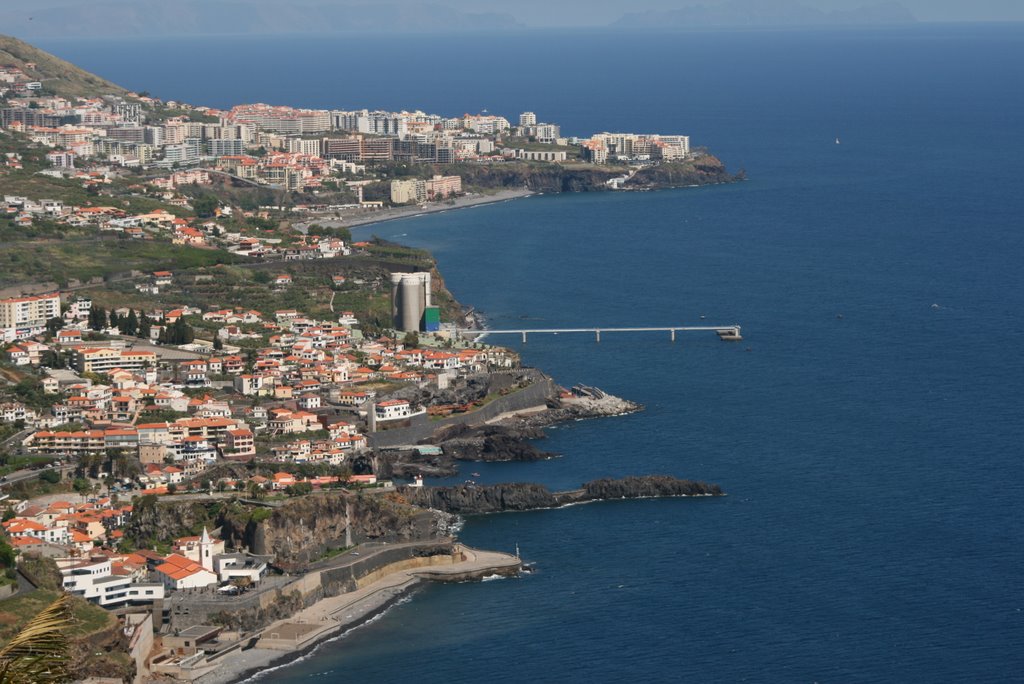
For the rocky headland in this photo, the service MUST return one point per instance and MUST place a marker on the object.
(703, 169)
(509, 437)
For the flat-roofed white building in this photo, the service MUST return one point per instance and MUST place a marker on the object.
(95, 581)
(26, 316)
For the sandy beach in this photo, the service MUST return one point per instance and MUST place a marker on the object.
(365, 218)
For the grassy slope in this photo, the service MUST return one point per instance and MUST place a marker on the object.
(17, 611)
(57, 75)
(58, 260)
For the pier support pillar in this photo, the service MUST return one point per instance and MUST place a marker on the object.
(673, 333)
(524, 338)
(598, 334)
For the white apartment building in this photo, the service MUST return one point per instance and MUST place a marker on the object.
(226, 147)
(304, 146)
(105, 360)
(27, 316)
(403, 191)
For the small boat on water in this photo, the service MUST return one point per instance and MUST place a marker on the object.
(837, 142)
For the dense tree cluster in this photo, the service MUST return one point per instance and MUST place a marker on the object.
(178, 332)
(132, 323)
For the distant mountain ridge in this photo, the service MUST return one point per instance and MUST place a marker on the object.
(754, 13)
(156, 18)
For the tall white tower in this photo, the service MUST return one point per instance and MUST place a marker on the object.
(206, 551)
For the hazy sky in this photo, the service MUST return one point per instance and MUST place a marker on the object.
(544, 13)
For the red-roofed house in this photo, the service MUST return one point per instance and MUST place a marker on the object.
(178, 572)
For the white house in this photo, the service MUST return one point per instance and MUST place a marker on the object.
(95, 581)
(232, 566)
(393, 409)
(178, 572)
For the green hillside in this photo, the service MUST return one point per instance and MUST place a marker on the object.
(58, 76)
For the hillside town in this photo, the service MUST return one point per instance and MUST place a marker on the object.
(115, 420)
(223, 345)
(95, 140)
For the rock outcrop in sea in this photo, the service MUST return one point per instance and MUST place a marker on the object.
(473, 499)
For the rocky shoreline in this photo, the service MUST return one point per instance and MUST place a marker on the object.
(587, 403)
(507, 438)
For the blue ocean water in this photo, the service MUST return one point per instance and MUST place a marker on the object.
(868, 429)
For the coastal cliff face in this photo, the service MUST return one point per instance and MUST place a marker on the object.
(553, 178)
(295, 533)
(303, 529)
(705, 170)
(549, 178)
(154, 522)
(469, 499)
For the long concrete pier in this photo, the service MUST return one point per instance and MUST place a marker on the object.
(727, 333)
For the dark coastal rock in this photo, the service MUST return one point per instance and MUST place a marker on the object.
(492, 443)
(649, 486)
(407, 464)
(705, 170)
(471, 499)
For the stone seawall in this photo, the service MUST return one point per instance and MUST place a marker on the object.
(355, 575)
(257, 608)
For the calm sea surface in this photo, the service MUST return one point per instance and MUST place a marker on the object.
(869, 428)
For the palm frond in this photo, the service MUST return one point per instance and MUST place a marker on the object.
(39, 652)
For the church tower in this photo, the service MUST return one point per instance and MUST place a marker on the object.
(206, 551)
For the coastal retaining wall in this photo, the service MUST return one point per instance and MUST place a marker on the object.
(410, 564)
(534, 397)
(352, 576)
(253, 609)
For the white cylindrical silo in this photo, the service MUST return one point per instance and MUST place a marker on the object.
(411, 303)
